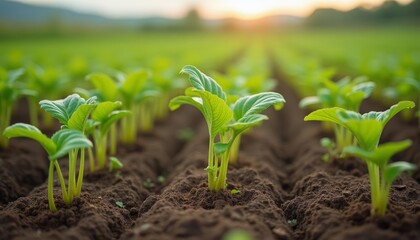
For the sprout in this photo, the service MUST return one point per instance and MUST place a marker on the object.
(224, 123)
(63, 142)
(367, 129)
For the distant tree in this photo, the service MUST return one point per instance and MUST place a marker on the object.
(192, 20)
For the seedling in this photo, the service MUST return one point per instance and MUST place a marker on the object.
(114, 164)
(103, 118)
(73, 113)
(148, 184)
(224, 123)
(10, 91)
(120, 204)
(367, 129)
(346, 94)
(235, 191)
(60, 144)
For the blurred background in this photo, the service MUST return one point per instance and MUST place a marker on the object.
(77, 16)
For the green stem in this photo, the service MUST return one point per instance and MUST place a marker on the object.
(6, 114)
(51, 202)
(81, 172)
(235, 149)
(66, 198)
(91, 160)
(113, 140)
(222, 176)
(211, 168)
(100, 147)
(375, 190)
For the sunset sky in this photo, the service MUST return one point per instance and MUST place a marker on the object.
(208, 8)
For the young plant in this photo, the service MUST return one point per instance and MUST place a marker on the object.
(47, 83)
(60, 144)
(131, 90)
(224, 123)
(367, 129)
(73, 113)
(346, 94)
(10, 91)
(103, 118)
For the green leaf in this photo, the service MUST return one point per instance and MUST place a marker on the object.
(326, 115)
(132, 84)
(380, 155)
(393, 170)
(176, 102)
(104, 109)
(308, 101)
(366, 131)
(216, 112)
(63, 109)
(247, 122)
(257, 103)
(385, 116)
(80, 116)
(220, 148)
(29, 131)
(203, 82)
(114, 164)
(113, 117)
(106, 86)
(365, 87)
(67, 140)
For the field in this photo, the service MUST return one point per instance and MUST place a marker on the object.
(286, 184)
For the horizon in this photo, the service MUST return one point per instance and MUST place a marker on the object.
(216, 9)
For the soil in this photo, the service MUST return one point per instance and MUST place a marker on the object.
(286, 190)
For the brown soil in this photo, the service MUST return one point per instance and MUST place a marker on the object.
(286, 190)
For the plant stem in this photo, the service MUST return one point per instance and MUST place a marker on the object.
(100, 147)
(211, 167)
(81, 172)
(64, 193)
(375, 190)
(113, 140)
(91, 160)
(5, 114)
(51, 202)
(235, 149)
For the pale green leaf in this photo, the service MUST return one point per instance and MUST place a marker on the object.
(176, 102)
(325, 115)
(393, 170)
(80, 116)
(62, 109)
(112, 118)
(67, 140)
(105, 85)
(216, 112)
(103, 110)
(201, 81)
(29, 131)
(247, 122)
(257, 103)
(380, 155)
(309, 101)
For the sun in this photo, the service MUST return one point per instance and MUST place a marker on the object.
(248, 9)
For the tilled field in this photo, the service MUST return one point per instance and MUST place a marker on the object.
(286, 190)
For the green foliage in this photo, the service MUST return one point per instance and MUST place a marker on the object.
(367, 129)
(381, 173)
(103, 119)
(224, 123)
(60, 144)
(10, 91)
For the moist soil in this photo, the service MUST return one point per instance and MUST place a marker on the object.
(285, 189)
